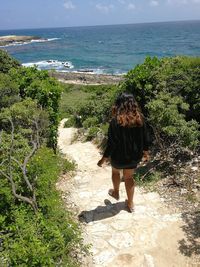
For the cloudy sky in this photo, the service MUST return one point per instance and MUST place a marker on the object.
(16, 14)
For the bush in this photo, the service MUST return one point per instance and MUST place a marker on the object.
(167, 90)
(92, 132)
(35, 229)
(48, 238)
(46, 90)
(89, 122)
(166, 114)
(7, 62)
(9, 91)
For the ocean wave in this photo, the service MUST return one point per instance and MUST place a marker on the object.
(50, 64)
(30, 42)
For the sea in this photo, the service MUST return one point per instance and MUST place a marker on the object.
(112, 49)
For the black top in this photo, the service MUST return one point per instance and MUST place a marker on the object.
(125, 145)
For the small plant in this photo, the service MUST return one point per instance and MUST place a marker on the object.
(70, 122)
(90, 122)
(92, 132)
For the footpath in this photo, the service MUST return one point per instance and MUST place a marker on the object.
(149, 237)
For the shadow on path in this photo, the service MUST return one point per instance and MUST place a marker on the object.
(102, 212)
(191, 244)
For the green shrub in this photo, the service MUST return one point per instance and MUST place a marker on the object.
(166, 116)
(167, 90)
(92, 132)
(90, 122)
(71, 122)
(9, 91)
(45, 239)
(35, 229)
(46, 90)
(7, 62)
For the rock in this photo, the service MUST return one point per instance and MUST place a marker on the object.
(121, 240)
(194, 169)
(183, 191)
(104, 257)
(121, 225)
(195, 190)
(148, 261)
(10, 39)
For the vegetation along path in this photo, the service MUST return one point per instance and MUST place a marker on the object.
(149, 237)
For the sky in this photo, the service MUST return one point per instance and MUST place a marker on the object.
(22, 14)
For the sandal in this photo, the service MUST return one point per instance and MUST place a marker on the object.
(130, 209)
(111, 193)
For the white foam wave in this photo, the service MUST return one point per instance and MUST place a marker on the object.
(31, 41)
(50, 64)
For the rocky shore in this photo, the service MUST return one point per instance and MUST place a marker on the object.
(86, 78)
(12, 39)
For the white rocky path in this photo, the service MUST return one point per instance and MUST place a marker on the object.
(149, 237)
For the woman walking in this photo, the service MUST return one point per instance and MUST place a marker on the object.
(127, 144)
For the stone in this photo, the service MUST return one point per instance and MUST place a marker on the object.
(122, 225)
(85, 194)
(171, 217)
(121, 240)
(100, 244)
(148, 261)
(194, 169)
(183, 191)
(195, 190)
(100, 227)
(104, 257)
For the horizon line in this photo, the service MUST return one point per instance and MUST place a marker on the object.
(99, 25)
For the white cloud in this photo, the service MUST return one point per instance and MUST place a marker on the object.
(104, 8)
(69, 5)
(196, 1)
(131, 6)
(154, 3)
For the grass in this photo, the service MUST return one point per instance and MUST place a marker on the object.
(150, 180)
(72, 97)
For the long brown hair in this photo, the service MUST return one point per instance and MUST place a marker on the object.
(127, 112)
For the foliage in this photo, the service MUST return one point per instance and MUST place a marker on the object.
(73, 96)
(178, 76)
(46, 90)
(47, 238)
(88, 106)
(89, 122)
(7, 62)
(35, 229)
(92, 132)
(89, 101)
(166, 117)
(168, 92)
(9, 91)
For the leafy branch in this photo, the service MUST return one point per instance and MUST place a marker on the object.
(8, 163)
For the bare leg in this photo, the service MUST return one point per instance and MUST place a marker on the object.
(130, 186)
(116, 183)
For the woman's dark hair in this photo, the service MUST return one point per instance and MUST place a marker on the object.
(127, 112)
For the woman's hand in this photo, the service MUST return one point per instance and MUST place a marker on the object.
(146, 156)
(101, 161)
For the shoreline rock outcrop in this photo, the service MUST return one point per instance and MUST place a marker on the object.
(11, 39)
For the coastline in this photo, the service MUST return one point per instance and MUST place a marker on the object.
(18, 39)
(84, 78)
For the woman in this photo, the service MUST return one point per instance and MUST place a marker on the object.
(127, 144)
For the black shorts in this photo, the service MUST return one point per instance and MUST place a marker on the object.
(129, 165)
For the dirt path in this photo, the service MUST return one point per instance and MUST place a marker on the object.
(149, 237)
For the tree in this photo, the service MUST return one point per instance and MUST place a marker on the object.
(7, 62)
(23, 127)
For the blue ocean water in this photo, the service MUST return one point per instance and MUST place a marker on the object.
(106, 49)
